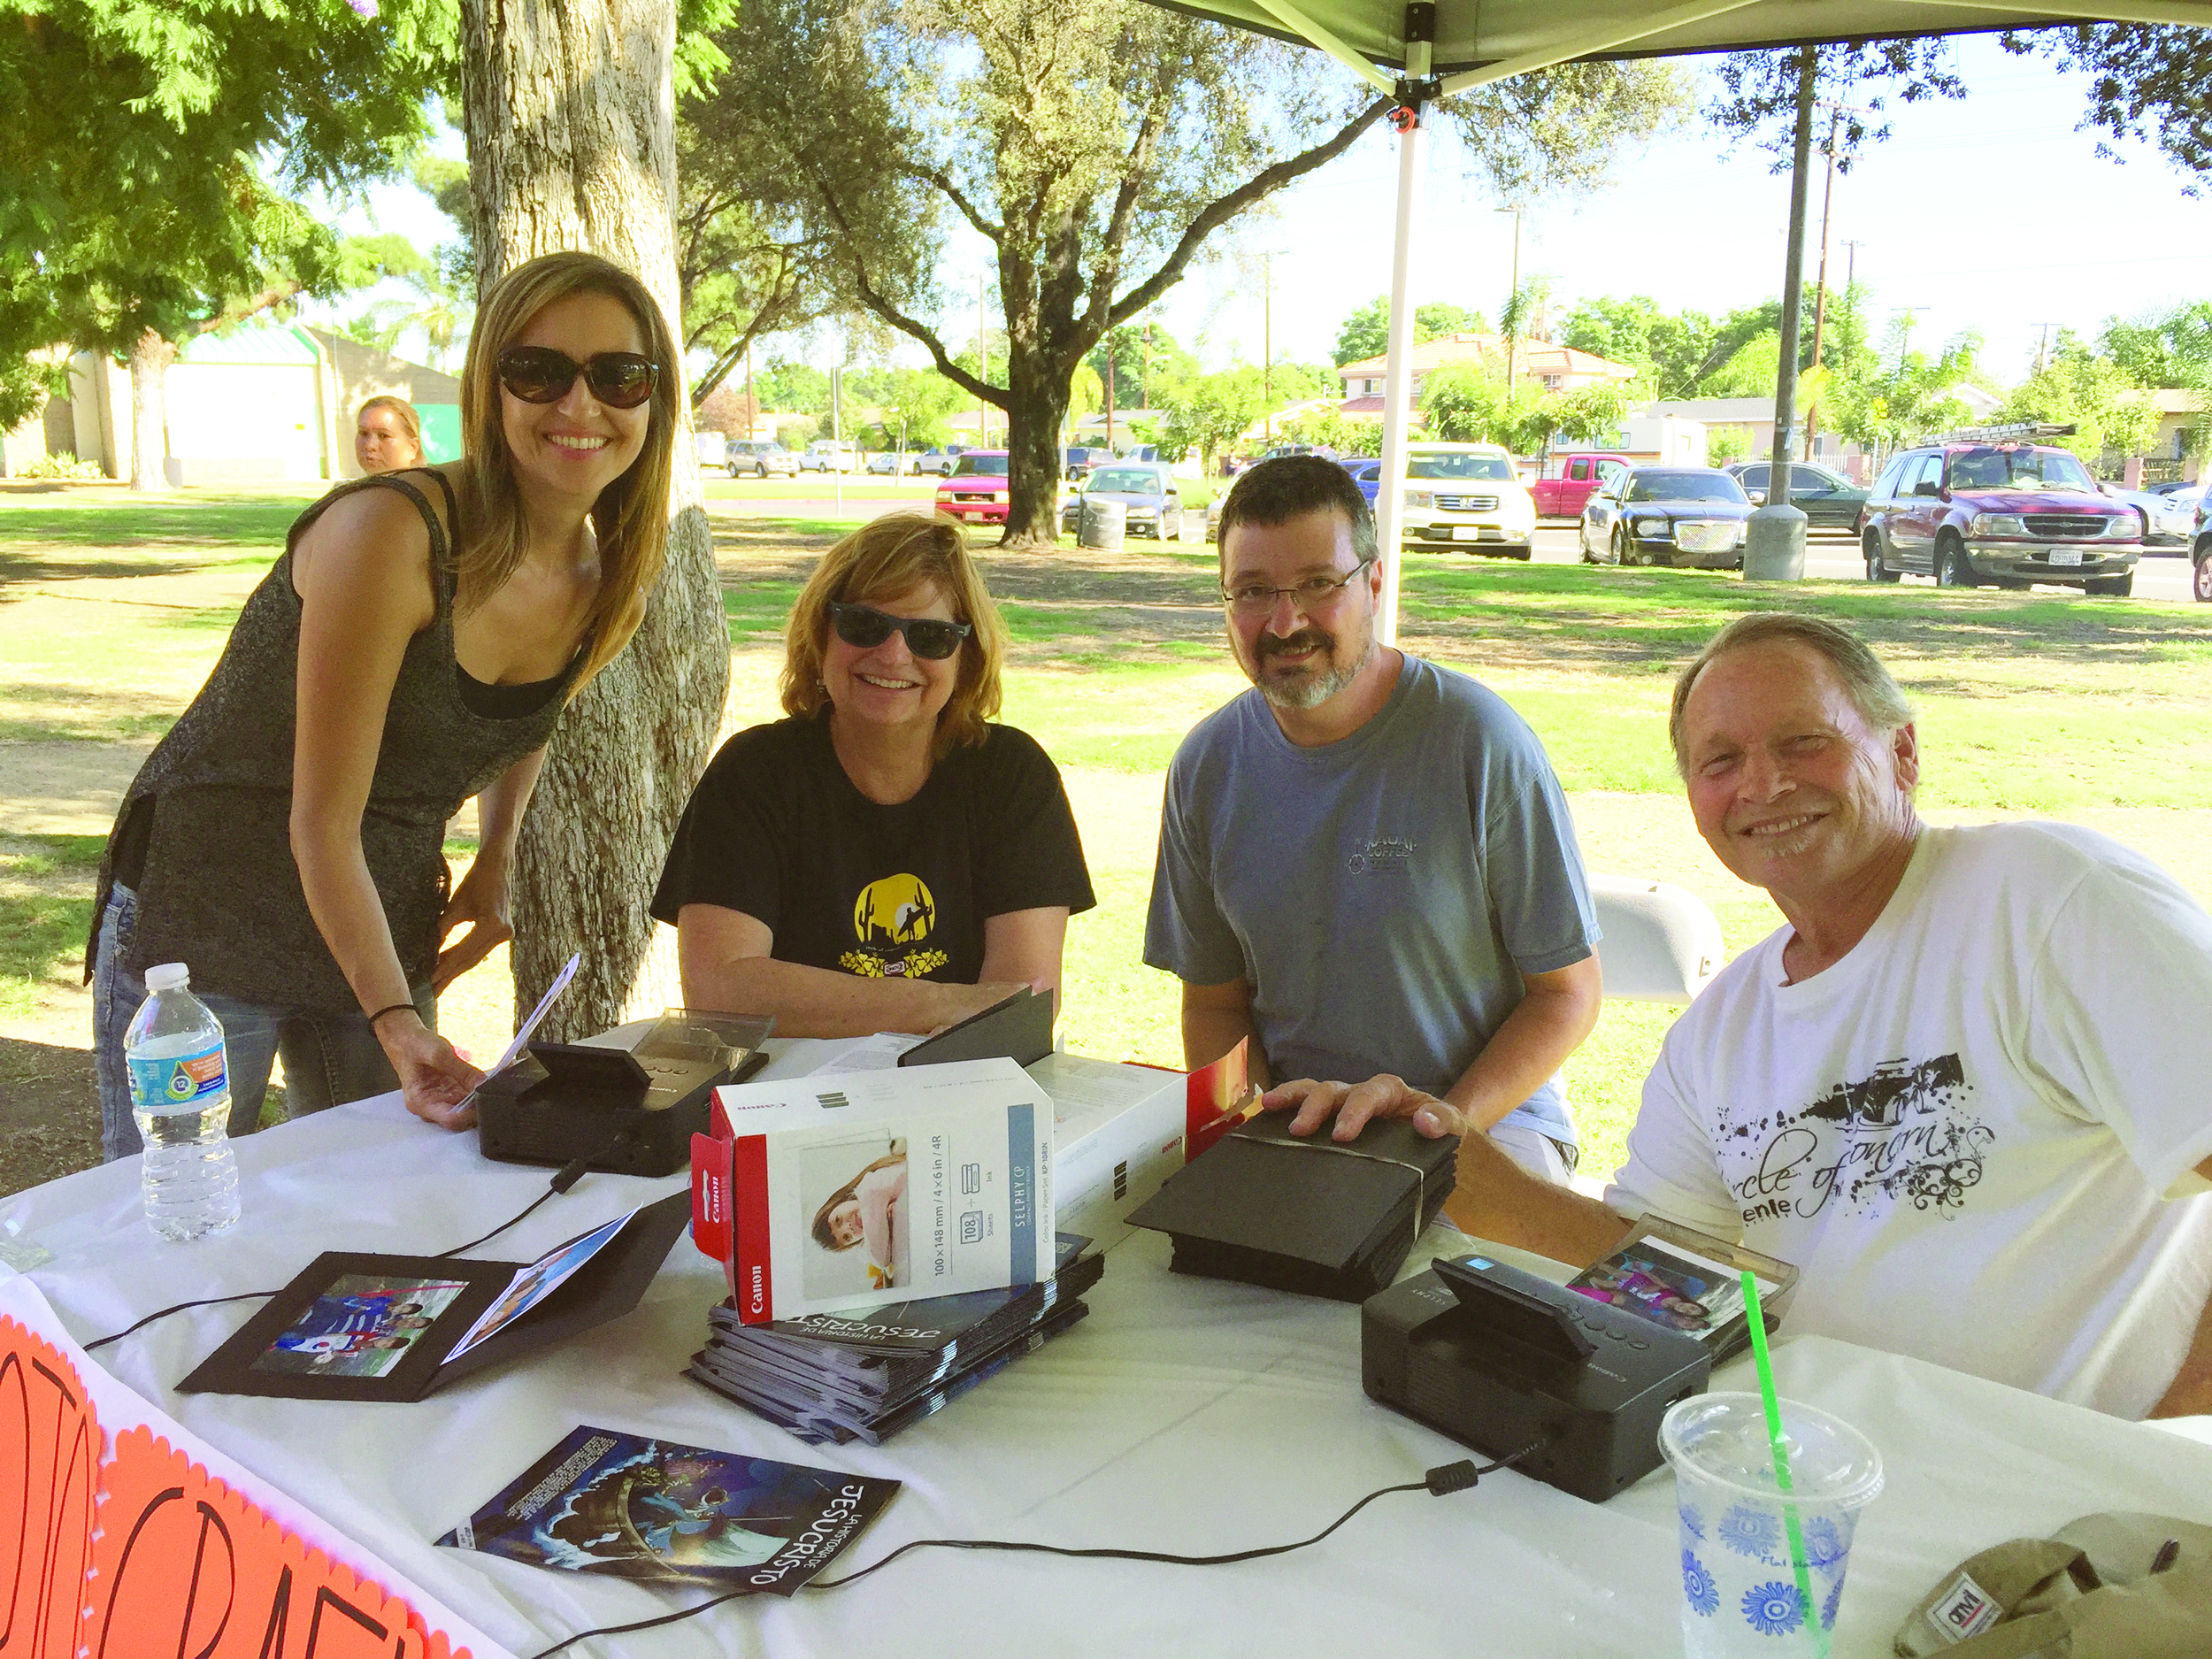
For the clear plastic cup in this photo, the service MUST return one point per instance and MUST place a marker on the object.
(1738, 1588)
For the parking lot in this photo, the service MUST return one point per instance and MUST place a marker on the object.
(1836, 558)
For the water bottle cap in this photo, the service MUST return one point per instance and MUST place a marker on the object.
(168, 976)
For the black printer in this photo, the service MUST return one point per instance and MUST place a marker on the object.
(630, 1110)
(1499, 1359)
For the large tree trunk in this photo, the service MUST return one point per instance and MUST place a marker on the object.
(570, 118)
(1038, 404)
(150, 357)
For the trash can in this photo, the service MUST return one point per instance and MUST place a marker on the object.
(1103, 523)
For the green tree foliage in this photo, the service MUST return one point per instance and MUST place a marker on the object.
(1585, 414)
(1758, 92)
(1147, 362)
(135, 208)
(2146, 81)
(1333, 429)
(1670, 349)
(2094, 394)
(1366, 332)
(1471, 402)
(1907, 394)
(2161, 348)
(915, 406)
(1724, 444)
(1211, 411)
(1095, 146)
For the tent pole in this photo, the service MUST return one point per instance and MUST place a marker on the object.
(1398, 369)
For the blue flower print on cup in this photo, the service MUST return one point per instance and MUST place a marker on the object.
(1824, 1542)
(1828, 1608)
(1750, 1531)
(1692, 1523)
(1697, 1586)
(1771, 1608)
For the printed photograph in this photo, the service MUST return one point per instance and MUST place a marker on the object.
(535, 1283)
(852, 1190)
(1675, 1288)
(360, 1326)
(604, 1501)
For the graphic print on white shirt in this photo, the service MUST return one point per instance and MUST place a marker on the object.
(1905, 1133)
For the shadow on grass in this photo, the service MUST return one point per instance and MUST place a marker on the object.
(187, 523)
(45, 910)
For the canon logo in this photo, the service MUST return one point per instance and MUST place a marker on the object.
(760, 1297)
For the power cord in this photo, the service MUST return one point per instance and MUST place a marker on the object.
(1439, 1482)
(569, 1175)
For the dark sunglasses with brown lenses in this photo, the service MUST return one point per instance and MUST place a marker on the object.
(538, 374)
(927, 637)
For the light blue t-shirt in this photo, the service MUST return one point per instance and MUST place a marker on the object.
(1382, 894)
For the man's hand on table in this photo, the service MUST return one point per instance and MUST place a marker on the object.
(1355, 1105)
(1494, 1197)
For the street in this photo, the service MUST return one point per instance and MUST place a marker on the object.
(1836, 558)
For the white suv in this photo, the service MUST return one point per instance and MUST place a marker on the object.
(1466, 494)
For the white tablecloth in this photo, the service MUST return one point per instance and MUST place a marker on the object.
(1184, 1415)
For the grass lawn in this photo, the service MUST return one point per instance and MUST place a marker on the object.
(112, 613)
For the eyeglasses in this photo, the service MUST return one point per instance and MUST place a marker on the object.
(1254, 599)
(538, 374)
(927, 637)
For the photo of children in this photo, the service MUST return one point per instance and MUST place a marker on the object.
(1676, 1289)
(359, 1327)
(535, 1283)
(855, 1189)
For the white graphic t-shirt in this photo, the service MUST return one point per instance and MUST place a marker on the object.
(1976, 1134)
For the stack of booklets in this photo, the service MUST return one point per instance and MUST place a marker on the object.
(865, 1375)
(1314, 1215)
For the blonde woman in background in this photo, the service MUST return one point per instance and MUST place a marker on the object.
(387, 436)
(412, 649)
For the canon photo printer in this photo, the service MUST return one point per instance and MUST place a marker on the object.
(1499, 1359)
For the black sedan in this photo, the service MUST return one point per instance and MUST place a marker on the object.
(1829, 501)
(1667, 515)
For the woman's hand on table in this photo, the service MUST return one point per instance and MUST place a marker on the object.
(432, 1076)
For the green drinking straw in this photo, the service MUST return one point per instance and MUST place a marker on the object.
(1781, 1451)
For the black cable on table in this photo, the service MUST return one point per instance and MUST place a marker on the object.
(569, 1175)
(1439, 1482)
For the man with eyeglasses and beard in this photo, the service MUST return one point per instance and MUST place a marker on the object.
(1366, 865)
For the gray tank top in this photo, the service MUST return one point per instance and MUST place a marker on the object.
(203, 835)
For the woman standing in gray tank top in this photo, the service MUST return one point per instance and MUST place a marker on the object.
(412, 647)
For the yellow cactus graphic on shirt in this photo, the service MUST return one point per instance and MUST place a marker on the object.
(892, 919)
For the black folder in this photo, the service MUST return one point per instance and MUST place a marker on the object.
(1320, 1216)
(1016, 1027)
(452, 1293)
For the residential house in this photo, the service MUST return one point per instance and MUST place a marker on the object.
(1555, 368)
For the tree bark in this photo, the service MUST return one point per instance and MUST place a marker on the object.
(150, 357)
(570, 111)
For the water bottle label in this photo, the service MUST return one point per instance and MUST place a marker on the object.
(173, 1084)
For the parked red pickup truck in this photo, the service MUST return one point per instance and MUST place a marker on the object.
(1572, 480)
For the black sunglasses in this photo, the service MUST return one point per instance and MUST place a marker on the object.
(866, 626)
(538, 374)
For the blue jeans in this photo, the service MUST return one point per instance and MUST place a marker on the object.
(328, 1058)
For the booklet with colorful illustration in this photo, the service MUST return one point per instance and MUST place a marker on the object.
(824, 1194)
(1685, 1280)
(604, 1501)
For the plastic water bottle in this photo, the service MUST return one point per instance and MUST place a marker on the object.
(180, 1079)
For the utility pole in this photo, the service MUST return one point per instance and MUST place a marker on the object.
(1820, 305)
(983, 368)
(1775, 549)
(2043, 348)
(1512, 319)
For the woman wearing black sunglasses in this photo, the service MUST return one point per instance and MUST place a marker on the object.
(888, 858)
(412, 649)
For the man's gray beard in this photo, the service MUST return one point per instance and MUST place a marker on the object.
(1315, 691)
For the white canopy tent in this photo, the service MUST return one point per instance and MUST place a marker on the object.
(1422, 51)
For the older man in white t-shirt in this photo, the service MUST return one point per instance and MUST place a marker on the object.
(1967, 1090)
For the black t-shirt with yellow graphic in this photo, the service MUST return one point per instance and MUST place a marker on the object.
(778, 831)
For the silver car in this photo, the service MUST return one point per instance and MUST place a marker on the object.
(1147, 490)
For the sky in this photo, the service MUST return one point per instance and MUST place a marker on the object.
(1990, 211)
